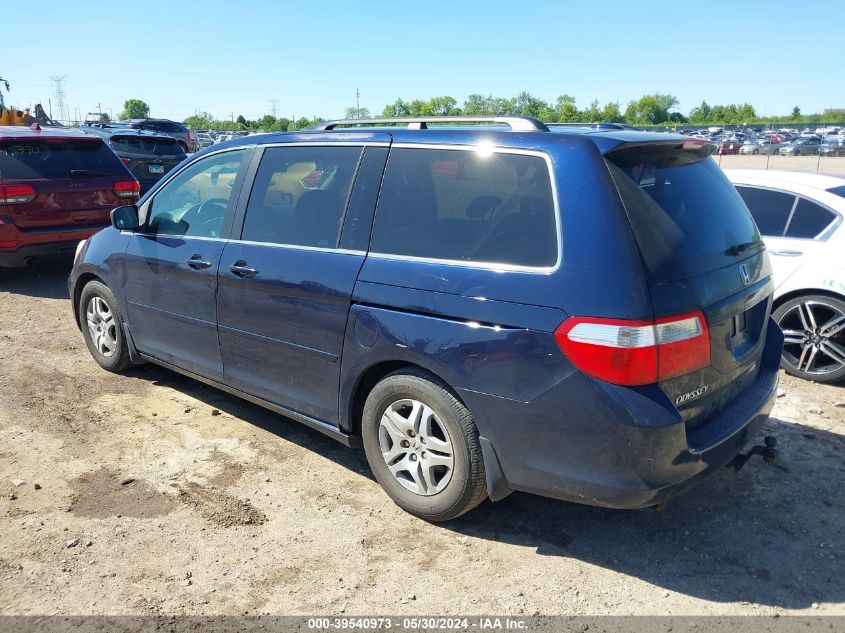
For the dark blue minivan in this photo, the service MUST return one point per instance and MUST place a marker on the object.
(485, 305)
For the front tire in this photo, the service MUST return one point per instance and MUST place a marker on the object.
(422, 445)
(102, 326)
(814, 337)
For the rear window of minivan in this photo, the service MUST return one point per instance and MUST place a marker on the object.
(467, 206)
(687, 218)
(29, 159)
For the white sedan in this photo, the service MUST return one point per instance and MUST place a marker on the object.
(800, 217)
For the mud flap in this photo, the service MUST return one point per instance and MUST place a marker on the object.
(497, 485)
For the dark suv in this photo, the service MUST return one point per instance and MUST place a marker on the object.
(577, 313)
(57, 188)
(148, 155)
(179, 131)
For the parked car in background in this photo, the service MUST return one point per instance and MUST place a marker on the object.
(729, 146)
(759, 146)
(404, 287)
(802, 146)
(204, 140)
(832, 146)
(177, 130)
(800, 217)
(148, 155)
(57, 188)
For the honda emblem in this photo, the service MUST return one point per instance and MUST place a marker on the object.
(744, 274)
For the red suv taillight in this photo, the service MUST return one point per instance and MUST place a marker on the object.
(636, 352)
(16, 194)
(127, 189)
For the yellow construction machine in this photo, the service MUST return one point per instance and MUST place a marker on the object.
(13, 116)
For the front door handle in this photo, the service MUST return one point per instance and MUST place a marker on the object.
(198, 263)
(786, 253)
(240, 269)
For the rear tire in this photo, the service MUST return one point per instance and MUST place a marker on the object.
(422, 445)
(102, 326)
(814, 331)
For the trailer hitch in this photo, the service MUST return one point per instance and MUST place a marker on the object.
(768, 452)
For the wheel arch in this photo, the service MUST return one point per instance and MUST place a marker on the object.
(83, 280)
(370, 377)
(802, 292)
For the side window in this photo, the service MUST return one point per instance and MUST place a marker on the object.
(300, 195)
(195, 202)
(468, 206)
(770, 209)
(809, 220)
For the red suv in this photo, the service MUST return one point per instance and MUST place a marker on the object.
(57, 188)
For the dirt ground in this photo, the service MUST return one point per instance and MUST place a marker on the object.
(150, 493)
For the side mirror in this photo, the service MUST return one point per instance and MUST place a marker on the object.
(125, 218)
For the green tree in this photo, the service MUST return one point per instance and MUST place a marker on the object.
(440, 106)
(526, 104)
(356, 113)
(593, 113)
(395, 109)
(700, 113)
(135, 109)
(478, 105)
(611, 113)
(747, 113)
(201, 121)
(241, 120)
(796, 113)
(650, 109)
(565, 109)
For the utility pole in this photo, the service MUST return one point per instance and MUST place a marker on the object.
(59, 94)
(273, 106)
(357, 103)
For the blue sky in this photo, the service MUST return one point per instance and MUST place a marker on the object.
(232, 57)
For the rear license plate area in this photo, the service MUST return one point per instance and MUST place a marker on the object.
(156, 169)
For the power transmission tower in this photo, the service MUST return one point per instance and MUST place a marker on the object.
(273, 106)
(59, 94)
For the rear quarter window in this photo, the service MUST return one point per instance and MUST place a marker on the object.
(770, 209)
(809, 220)
(32, 160)
(467, 206)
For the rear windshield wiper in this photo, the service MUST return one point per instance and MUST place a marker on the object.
(738, 249)
(86, 173)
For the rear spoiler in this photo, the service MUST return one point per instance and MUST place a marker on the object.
(677, 152)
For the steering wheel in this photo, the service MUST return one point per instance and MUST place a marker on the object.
(215, 209)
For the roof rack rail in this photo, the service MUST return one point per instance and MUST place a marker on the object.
(516, 123)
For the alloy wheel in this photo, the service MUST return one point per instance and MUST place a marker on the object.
(416, 447)
(814, 337)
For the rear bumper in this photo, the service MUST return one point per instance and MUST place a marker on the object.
(597, 444)
(37, 246)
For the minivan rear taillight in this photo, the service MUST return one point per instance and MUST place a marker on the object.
(632, 353)
(127, 189)
(16, 194)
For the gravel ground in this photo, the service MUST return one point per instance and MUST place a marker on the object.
(150, 493)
